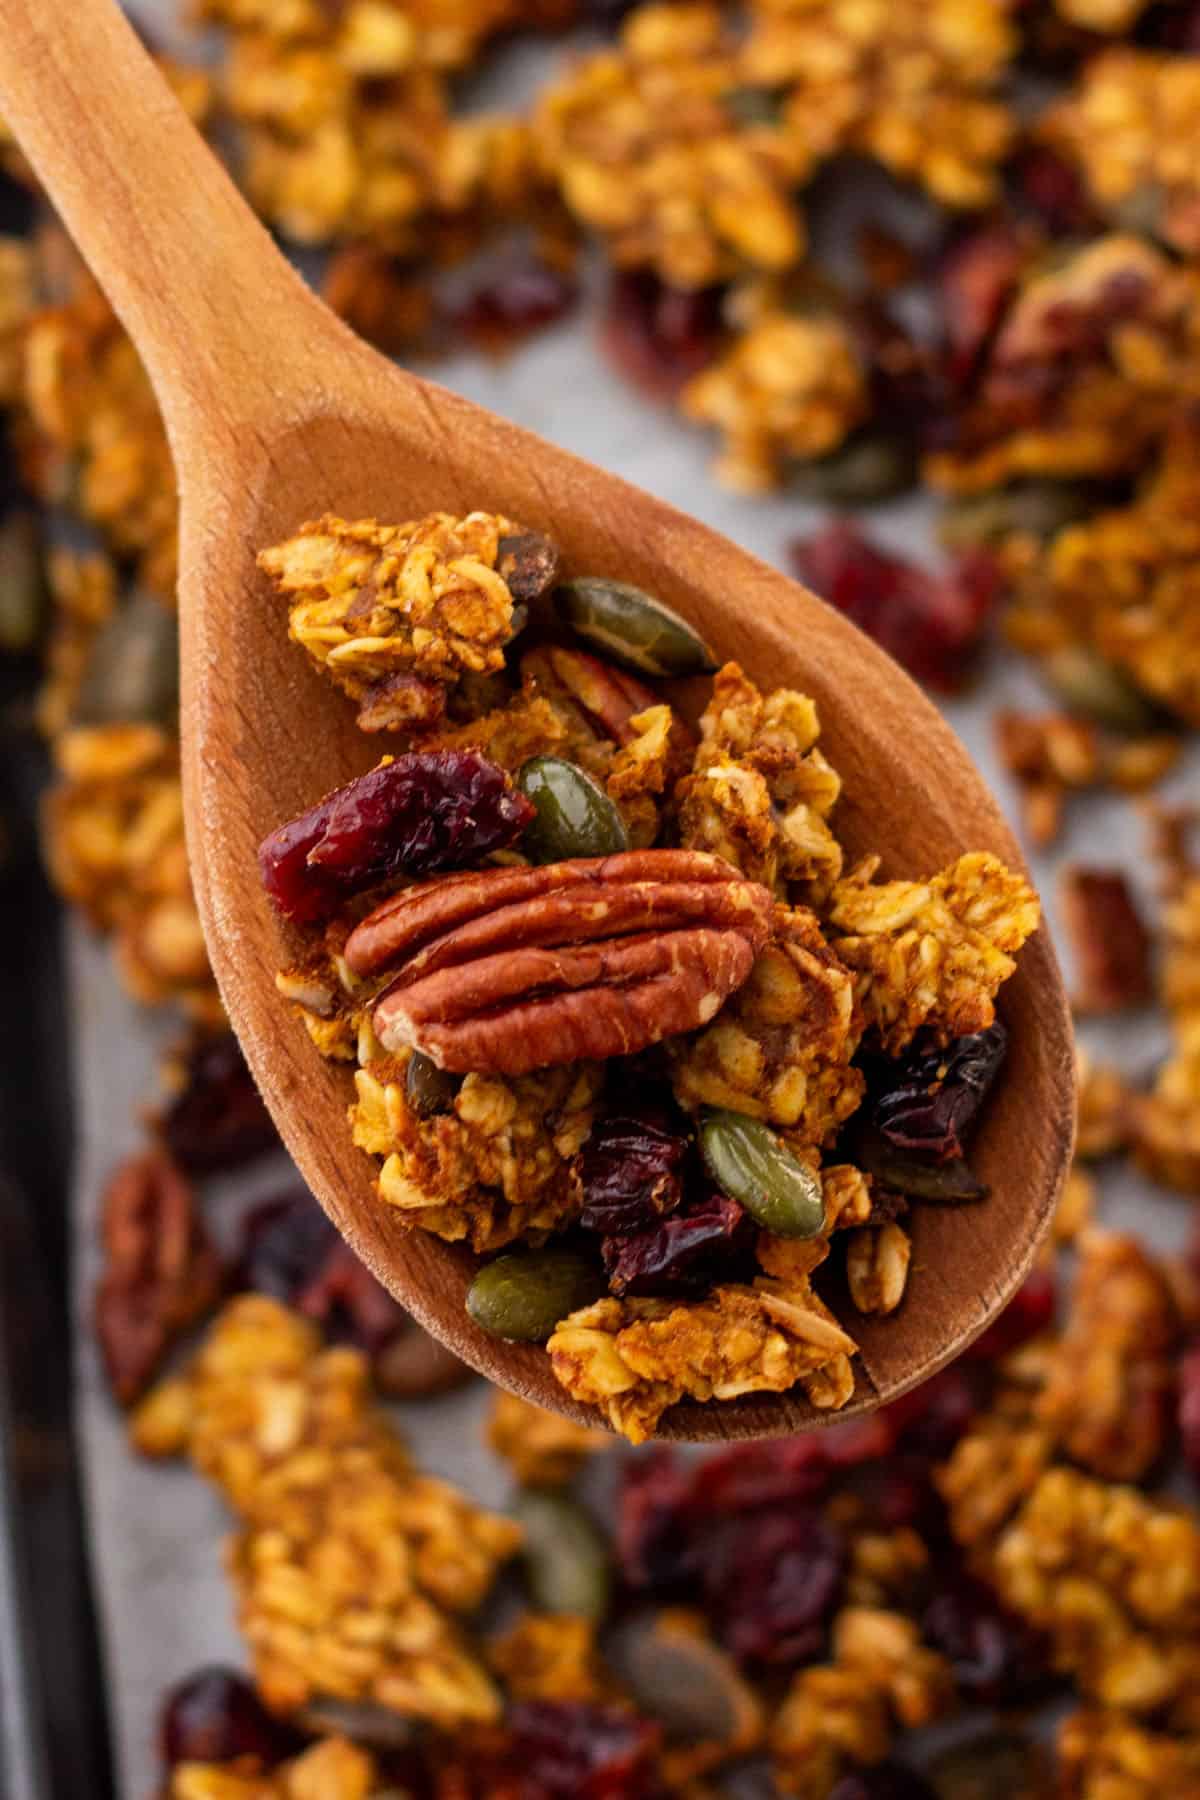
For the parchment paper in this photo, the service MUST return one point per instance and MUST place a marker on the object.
(156, 1530)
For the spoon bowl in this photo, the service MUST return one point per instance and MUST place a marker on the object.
(277, 414)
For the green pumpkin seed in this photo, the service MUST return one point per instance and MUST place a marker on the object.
(133, 673)
(1033, 508)
(870, 467)
(23, 595)
(1098, 689)
(754, 105)
(574, 816)
(524, 1294)
(632, 627)
(997, 1765)
(681, 1678)
(428, 1089)
(748, 1162)
(566, 1558)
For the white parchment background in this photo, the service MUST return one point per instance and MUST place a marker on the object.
(156, 1531)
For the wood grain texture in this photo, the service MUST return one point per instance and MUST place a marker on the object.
(276, 414)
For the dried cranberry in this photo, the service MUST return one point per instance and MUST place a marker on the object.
(683, 1254)
(976, 280)
(215, 1716)
(750, 1477)
(653, 1520)
(1053, 191)
(1030, 1310)
(519, 296)
(1189, 1407)
(931, 623)
(217, 1120)
(933, 1096)
(582, 1752)
(629, 1170)
(930, 1420)
(424, 813)
(292, 1252)
(773, 1581)
(657, 336)
(995, 1657)
(885, 1781)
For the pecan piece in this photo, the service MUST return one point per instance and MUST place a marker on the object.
(510, 970)
(1110, 942)
(161, 1272)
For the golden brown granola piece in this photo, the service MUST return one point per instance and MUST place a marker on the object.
(333, 1769)
(1076, 1206)
(1104, 1110)
(912, 83)
(552, 1656)
(990, 1472)
(760, 792)
(83, 596)
(1166, 1123)
(931, 953)
(543, 1449)
(781, 1048)
(1130, 127)
(1108, 1756)
(91, 410)
(494, 1169)
(788, 389)
(634, 1358)
(17, 301)
(1113, 1578)
(843, 1715)
(348, 1564)
(1108, 1396)
(370, 601)
(113, 836)
(645, 151)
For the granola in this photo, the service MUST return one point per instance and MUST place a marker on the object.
(542, 1449)
(497, 928)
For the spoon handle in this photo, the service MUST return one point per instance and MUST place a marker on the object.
(213, 308)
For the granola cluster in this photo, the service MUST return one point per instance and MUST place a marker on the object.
(351, 1570)
(646, 893)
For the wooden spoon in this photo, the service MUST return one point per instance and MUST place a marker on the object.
(277, 413)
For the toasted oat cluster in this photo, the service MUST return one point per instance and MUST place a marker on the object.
(586, 963)
(350, 1568)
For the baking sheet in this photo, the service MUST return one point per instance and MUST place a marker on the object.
(155, 1531)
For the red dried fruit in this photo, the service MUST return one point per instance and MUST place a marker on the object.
(629, 1171)
(885, 1781)
(996, 1658)
(518, 296)
(930, 1419)
(652, 1509)
(932, 624)
(1189, 1407)
(582, 1752)
(657, 336)
(217, 1120)
(215, 1716)
(772, 1581)
(1030, 1311)
(932, 1096)
(291, 1251)
(1110, 944)
(687, 1253)
(422, 814)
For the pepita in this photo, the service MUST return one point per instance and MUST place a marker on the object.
(632, 627)
(574, 816)
(133, 673)
(566, 1559)
(1099, 690)
(750, 1164)
(523, 1295)
(23, 595)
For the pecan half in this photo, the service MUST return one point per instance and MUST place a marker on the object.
(161, 1272)
(509, 970)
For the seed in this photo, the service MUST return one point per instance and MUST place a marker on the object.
(754, 105)
(679, 1676)
(1099, 690)
(868, 468)
(566, 1558)
(428, 1089)
(997, 1765)
(1036, 509)
(133, 673)
(573, 816)
(23, 596)
(524, 1294)
(632, 627)
(748, 1162)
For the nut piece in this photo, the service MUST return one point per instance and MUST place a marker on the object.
(510, 970)
(1109, 940)
(877, 1267)
(161, 1273)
